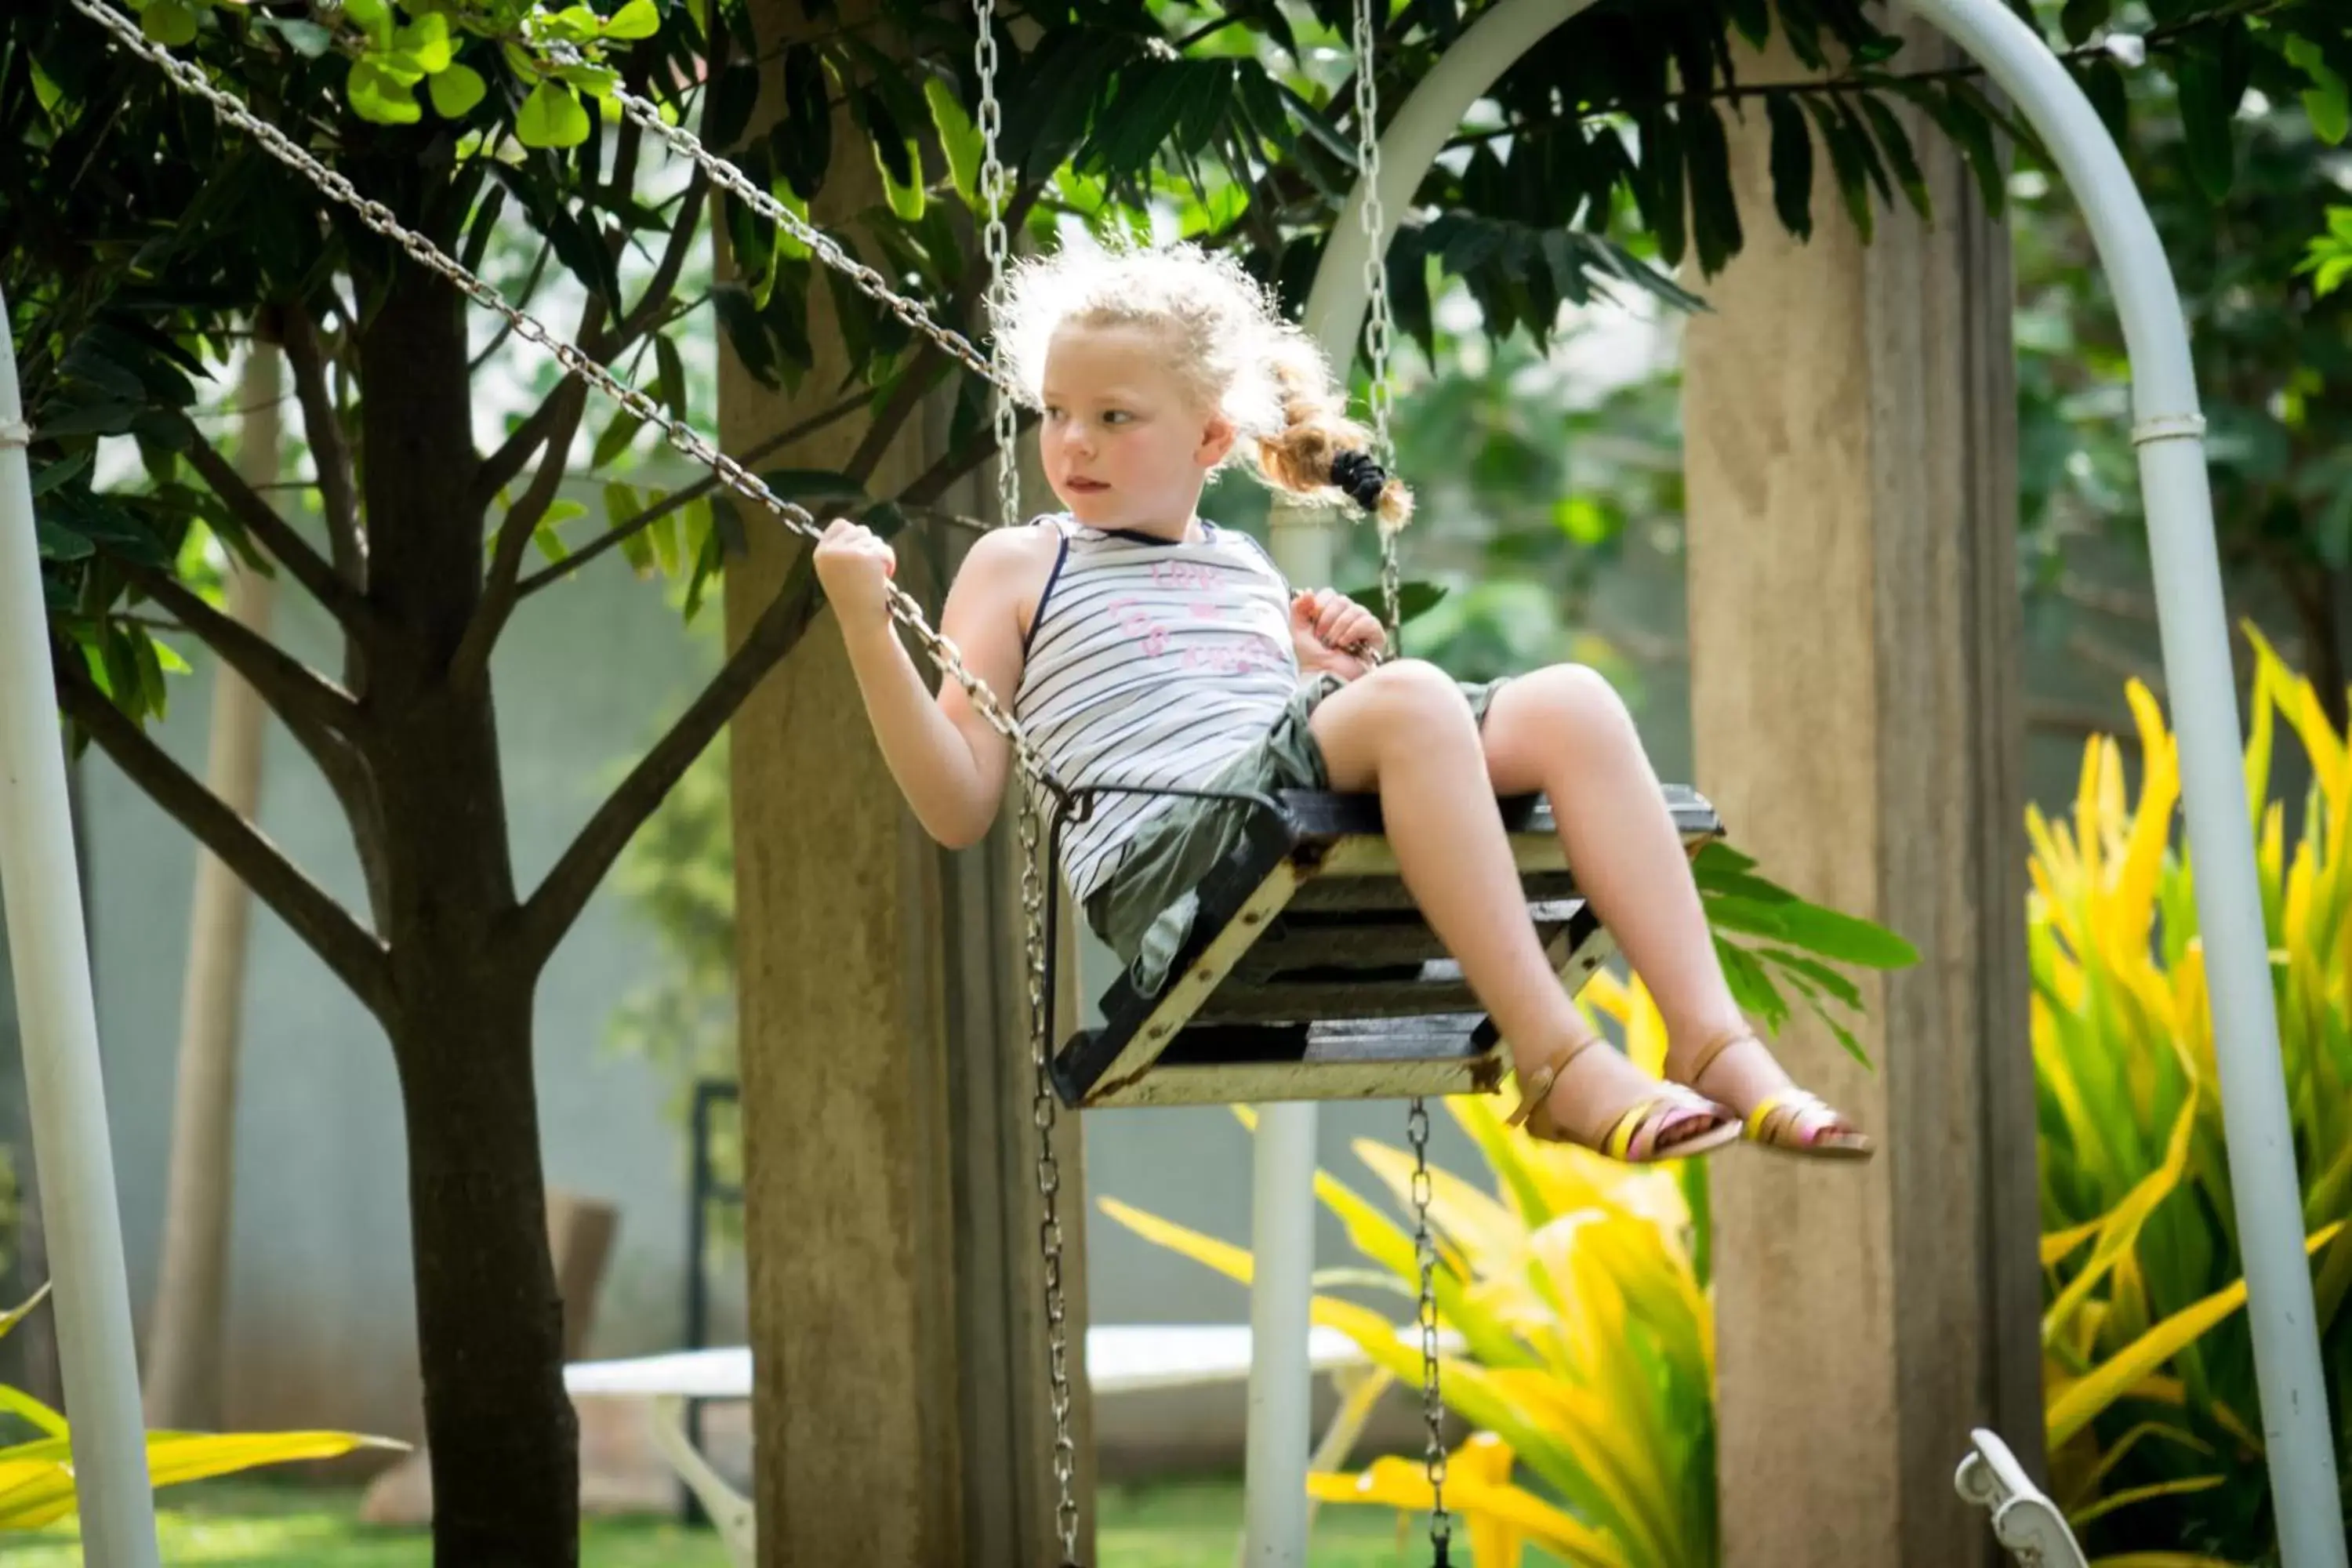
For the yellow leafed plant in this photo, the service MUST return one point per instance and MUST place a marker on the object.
(37, 1477)
(1575, 1288)
(1586, 1346)
(2153, 1417)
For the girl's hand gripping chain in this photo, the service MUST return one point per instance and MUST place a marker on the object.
(856, 567)
(1334, 633)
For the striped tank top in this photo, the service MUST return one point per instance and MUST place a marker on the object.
(1151, 662)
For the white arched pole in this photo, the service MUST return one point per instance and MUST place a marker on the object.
(2169, 431)
(1282, 1222)
(71, 1150)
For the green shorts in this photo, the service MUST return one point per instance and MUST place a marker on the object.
(1145, 912)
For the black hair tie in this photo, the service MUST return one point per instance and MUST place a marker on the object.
(1359, 478)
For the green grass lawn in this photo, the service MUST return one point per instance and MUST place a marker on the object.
(1188, 1524)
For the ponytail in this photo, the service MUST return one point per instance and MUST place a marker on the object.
(1319, 447)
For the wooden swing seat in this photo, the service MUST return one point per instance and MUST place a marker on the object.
(1310, 973)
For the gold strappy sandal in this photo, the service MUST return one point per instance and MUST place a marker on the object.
(1634, 1137)
(1777, 1120)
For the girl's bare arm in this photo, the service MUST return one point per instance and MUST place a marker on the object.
(949, 761)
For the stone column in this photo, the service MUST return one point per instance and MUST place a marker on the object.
(890, 1217)
(1849, 421)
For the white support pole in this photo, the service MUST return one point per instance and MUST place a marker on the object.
(71, 1150)
(2194, 627)
(1282, 1220)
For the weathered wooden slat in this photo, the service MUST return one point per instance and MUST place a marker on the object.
(1281, 1002)
(1322, 814)
(1262, 1083)
(1381, 941)
(1449, 1036)
(1325, 893)
(1225, 1064)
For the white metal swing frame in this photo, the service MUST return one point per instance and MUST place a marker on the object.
(46, 926)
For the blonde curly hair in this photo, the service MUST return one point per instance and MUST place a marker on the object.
(1234, 351)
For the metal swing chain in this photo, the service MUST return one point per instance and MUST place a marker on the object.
(1378, 323)
(380, 218)
(1376, 341)
(996, 243)
(726, 176)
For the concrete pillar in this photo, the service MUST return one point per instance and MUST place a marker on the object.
(891, 1225)
(1849, 423)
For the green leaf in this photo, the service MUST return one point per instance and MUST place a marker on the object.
(58, 472)
(2104, 85)
(621, 505)
(305, 38)
(169, 22)
(1846, 161)
(1658, 190)
(55, 544)
(425, 43)
(2327, 101)
(573, 24)
(1959, 117)
(552, 117)
(1896, 143)
(379, 95)
(637, 19)
(455, 91)
(747, 332)
(1715, 207)
(2207, 109)
(959, 139)
(372, 18)
(670, 377)
(1750, 987)
(2081, 18)
(1792, 165)
(1826, 932)
(622, 430)
(1818, 973)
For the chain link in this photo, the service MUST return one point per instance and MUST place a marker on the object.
(727, 176)
(1433, 1404)
(996, 243)
(1379, 330)
(1378, 336)
(732, 474)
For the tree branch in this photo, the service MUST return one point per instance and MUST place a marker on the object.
(664, 282)
(684, 496)
(565, 407)
(314, 708)
(291, 551)
(353, 954)
(933, 482)
(323, 426)
(558, 901)
(919, 378)
(501, 467)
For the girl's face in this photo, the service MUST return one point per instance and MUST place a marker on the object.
(1123, 445)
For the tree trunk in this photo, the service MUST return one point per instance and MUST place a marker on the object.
(185, 1343)
(499, 1430)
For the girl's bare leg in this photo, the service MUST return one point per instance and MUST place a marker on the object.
(1404, 729)
(1565, 730)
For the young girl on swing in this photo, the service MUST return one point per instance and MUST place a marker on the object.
(1146, 646)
